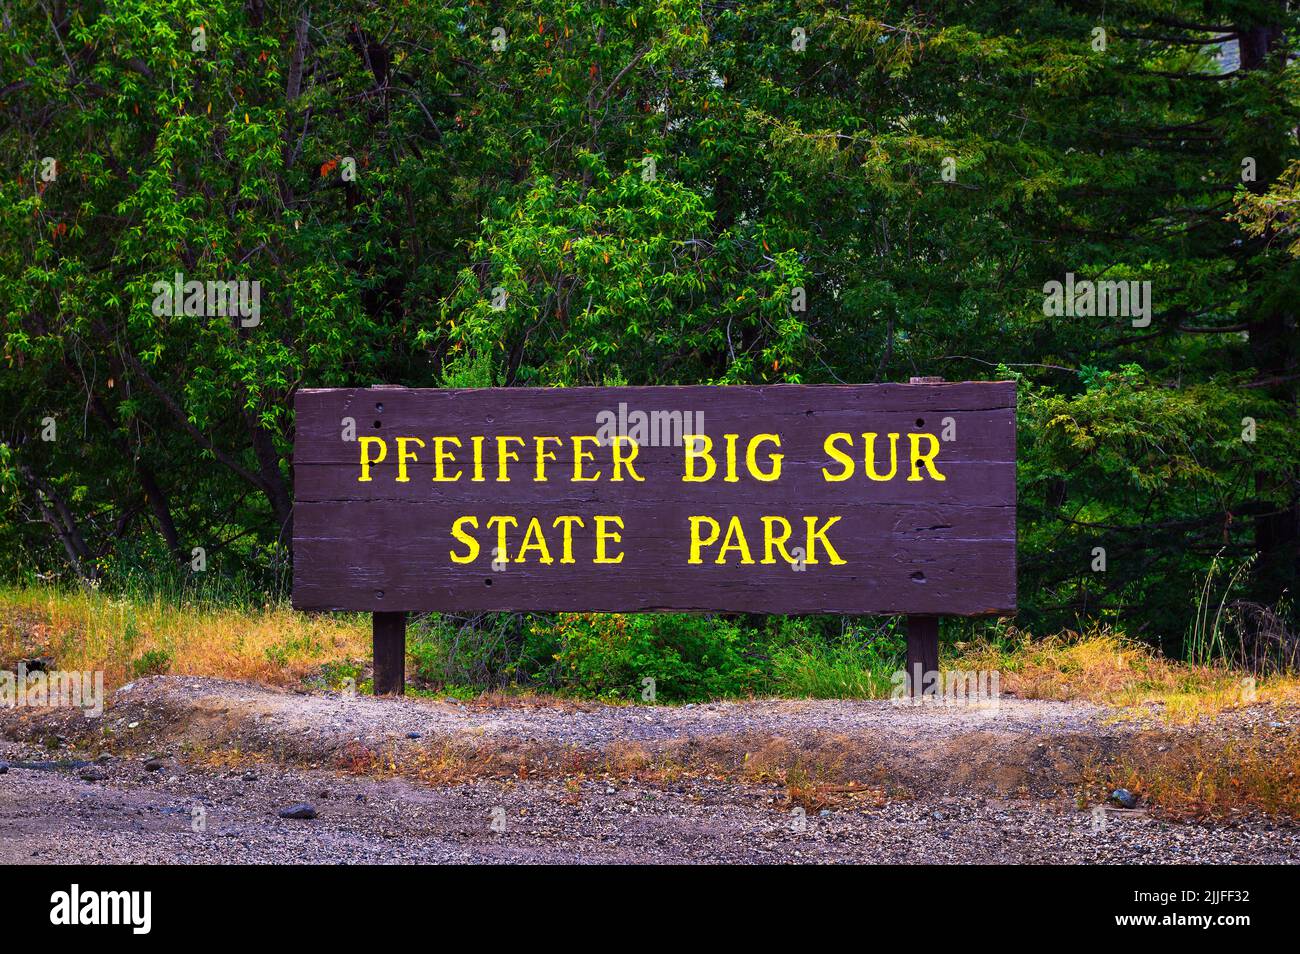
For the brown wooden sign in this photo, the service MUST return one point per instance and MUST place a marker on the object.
(889, 498)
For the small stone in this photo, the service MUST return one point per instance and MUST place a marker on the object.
(91, 775)
(250, 776)
(1124, 798)
(412, 735)
(302, 810)
(4, 768)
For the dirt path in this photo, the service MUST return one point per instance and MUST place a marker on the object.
(434, 781)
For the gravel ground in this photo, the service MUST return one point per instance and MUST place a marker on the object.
(135, 816)
(955, 785)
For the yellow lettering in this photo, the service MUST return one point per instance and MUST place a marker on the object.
(927, 459)
(504, 455)
(771, 540)
(735, 530)
(534, 533)
(502, 523)
(366, 459)
(567, 522)
(620, 461)
(602, 535)
(751, 456)
(543, 456)
(466, 539)
(829, 446)
(697, 543)
(814, 535)
(579, 455)
(731, 477)
(871, 456)
(477, 443)
(692, 455)
(403, 455)
(441, 456)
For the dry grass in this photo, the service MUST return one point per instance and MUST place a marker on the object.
(1104, 667)
(274, 644)
(812, 778)
(92, 631)
(1203, 777)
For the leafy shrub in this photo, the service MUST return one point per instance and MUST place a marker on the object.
(687, 656)
(809, 659)
(488, 650)
(153, 662)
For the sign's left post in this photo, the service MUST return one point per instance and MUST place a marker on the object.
(390, 653)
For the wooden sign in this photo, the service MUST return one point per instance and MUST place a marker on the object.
(889, 498)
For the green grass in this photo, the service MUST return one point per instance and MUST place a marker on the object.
(691, 657)
(828, 671)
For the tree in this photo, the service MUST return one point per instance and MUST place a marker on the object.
(601, 192)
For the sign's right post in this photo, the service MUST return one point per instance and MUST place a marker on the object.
(922, 631)
(922, 652)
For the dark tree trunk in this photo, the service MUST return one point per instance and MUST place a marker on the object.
(1273, 338)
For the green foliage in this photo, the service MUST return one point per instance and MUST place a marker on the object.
(611, 655)
(690, 657)
(334, 675)
(525, 169)
(855, 664)
(153, 662)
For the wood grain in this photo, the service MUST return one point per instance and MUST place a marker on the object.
(922, 547)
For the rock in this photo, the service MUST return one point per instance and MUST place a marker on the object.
(153, 765)
(412, 735)
(250, 776)
(92, 775)
(4, 768)
(1124, 798)
(301, 810)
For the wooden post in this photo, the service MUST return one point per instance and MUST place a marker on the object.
(922, 631)
(390, 653)
(922, 651)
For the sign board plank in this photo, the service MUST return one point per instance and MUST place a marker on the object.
(907, 542)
